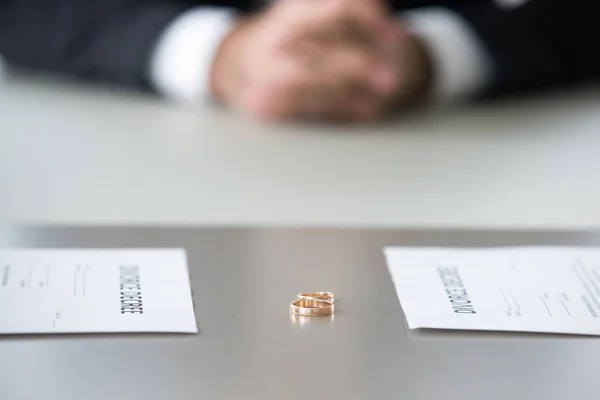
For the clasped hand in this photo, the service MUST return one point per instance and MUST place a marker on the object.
(345, 60)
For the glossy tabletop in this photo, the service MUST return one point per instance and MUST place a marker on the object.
(249, 348)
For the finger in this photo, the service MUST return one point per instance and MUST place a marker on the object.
(322, 88)
(370, 22)
(280, 91)
(374, 15)
(341, 90)
(346, 81)
(313, 101)
(334, 22)
(297, 97)
(354, 70)
(318, 81)
(361, 85)
(347, 61)
(363, 21)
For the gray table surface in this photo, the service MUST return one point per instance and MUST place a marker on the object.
(249, 348)
(81, 155)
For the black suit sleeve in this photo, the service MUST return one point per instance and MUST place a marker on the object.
(540, 44)
(108, 40)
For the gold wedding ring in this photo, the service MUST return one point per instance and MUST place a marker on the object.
(327, 296)
(311, 307)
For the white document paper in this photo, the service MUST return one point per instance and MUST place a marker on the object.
(76, 291)
(541, 289)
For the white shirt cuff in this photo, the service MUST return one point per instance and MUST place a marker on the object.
(181, 65)
(461, 65)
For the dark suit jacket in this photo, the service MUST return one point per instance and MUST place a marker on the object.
(543, 43)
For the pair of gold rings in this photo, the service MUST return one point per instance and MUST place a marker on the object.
(313, 304)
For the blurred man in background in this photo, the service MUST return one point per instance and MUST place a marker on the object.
(330, 59)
